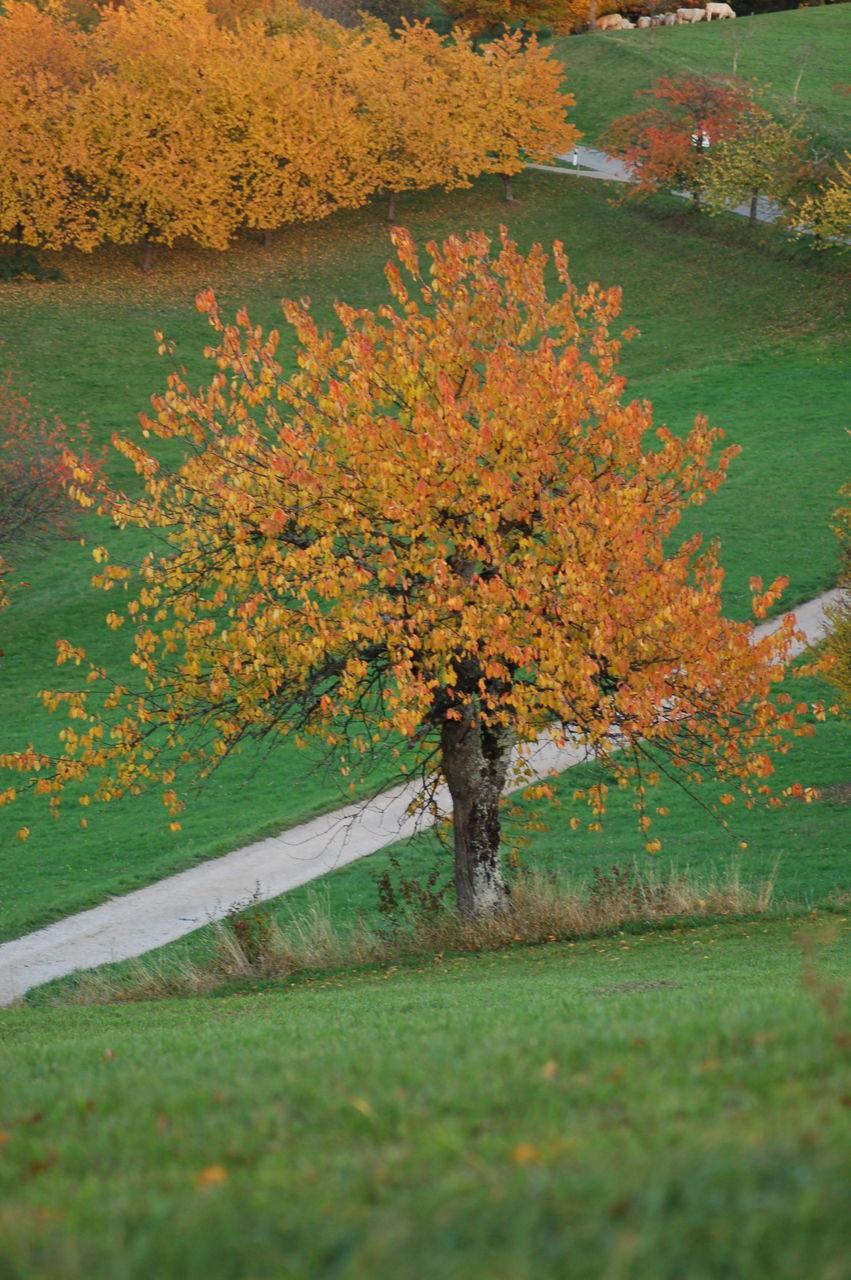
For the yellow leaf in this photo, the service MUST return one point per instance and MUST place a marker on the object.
(364, 1107)
(214, 1175)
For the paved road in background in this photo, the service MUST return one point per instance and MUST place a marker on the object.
(591, 163)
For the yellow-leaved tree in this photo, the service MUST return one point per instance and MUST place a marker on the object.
(522, 106)
(43, 65)
(149, 127)
(299, 147)
(447, 524)
(826, 214)
(403, 90)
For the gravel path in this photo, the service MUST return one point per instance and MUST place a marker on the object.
(149, 918)
(586, 162)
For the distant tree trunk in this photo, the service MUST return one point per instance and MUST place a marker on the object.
(754, 198)
(475, 762)
(592, 16)
(267, 237)
(506, 186)
(148, 258)
(391, 206)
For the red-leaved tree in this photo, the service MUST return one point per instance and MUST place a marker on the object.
(665, 144)
(36, 466)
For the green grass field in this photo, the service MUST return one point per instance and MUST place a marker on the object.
(742, 327)
(668, 1102)
(604, 70)
(642, 1107)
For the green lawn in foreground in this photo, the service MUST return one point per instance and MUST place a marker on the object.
(736, 325)
(645, 1107)
(604, 70)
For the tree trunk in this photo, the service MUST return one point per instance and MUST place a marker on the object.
(475, 762)
(592, 16)
(506, 185)
(754, 198)
(391, 206)
(267, 237)
(149, 255)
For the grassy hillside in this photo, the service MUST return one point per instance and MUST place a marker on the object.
(642, 1107)
(605, 69)
(736, 325)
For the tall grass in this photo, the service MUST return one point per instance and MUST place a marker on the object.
(251, 945)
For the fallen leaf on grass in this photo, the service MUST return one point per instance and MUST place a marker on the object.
(365, 1108)
(525, 1153)
(213, 1176)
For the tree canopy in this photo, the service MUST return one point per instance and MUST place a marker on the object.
(667, 143)
(447, 528)
(163, 122)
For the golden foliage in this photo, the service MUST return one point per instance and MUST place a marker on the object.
(168, 121)
(827, 213)
(446, 516)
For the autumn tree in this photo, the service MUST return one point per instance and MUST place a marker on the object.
(765, 156)
(35, 470)
(522, 105)
(446, 527)
(404, 93)
(150, 127)
(826, 214)
(491, 16)
(666, 144)
(43, 200)
(299, 148)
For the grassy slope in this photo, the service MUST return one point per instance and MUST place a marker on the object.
(653, 1106)
(741, 328)
(605, 70)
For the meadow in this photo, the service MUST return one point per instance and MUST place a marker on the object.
(660, 1100)
(639, 1106)
(738, 325)
(605, 70)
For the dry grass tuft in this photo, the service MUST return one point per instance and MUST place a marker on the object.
(251, 945)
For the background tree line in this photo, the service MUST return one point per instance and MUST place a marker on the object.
(163, 121)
